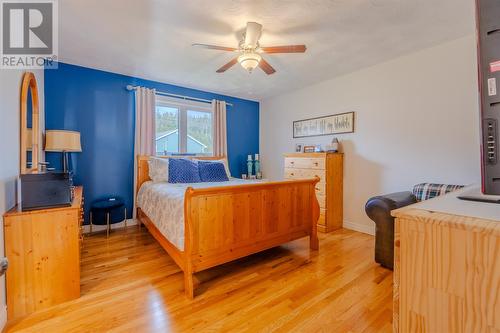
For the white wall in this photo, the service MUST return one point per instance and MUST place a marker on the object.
(416, 121)
(10, 90)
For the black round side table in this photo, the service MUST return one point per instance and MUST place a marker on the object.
(107, 212)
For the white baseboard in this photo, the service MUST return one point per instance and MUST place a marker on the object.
(366, 229)
(86, 228)
(3, 317)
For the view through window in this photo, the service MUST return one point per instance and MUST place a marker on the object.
(199, 132)
(167, 130)
(183, 128)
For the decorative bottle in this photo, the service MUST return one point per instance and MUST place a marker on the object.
(257, 165)
(335, 145)
(249, 165)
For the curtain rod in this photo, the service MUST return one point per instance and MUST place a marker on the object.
(130, 88)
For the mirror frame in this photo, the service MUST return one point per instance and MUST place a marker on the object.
(29, 83)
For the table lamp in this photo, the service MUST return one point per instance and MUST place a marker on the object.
(63, 141)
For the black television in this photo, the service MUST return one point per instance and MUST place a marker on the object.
(488, 42)
(46, 190)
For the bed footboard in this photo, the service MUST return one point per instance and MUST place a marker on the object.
(227, 223)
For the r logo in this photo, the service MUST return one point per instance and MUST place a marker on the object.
(27, 28)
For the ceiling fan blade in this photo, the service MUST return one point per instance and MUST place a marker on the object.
(252, 34)
(228, 65)
(284, 49)
(215, 47)
(268, 69)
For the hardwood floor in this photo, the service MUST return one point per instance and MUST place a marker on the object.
(129, 284)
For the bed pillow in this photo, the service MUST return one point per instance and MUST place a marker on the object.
(158, 169)
(223, 161)
(181, 170)
(212, 171)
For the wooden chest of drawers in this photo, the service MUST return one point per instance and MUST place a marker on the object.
(43, 248)
(329, 191)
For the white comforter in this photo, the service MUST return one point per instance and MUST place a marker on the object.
(163, 203)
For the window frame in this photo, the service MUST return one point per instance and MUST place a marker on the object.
(183, 106)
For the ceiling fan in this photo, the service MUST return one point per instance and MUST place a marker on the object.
(250, 51)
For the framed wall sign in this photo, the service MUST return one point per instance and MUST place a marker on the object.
(327, 125)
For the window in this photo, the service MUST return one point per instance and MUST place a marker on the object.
(183, 127)
(167, 130)
(199, 132)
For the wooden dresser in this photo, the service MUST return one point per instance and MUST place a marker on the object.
(329, 191)
(447, 266)
(43, 248)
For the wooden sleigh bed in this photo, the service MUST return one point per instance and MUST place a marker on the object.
(226, 223)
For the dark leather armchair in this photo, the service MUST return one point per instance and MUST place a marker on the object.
(379, 210)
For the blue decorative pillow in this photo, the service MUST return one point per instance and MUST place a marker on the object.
(181, 170)
(212, 171)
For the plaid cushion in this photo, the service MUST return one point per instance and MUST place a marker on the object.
(427, 191)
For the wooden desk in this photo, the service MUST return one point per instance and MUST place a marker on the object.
(43, 248)
(447, 266)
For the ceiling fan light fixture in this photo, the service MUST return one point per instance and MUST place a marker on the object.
(250, 49)
(249, 61)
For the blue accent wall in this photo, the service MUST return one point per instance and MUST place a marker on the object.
(96, 104)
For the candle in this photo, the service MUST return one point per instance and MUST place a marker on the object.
(256, 157)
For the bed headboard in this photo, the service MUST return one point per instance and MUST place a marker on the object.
(143, 166)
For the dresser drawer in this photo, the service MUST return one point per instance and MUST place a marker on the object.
(305, 163)
(291, 173)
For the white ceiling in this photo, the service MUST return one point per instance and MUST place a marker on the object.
(152, 38)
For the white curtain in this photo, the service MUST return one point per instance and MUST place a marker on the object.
(220, 131)
(145, 106)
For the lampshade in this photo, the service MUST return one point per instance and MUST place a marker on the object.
(58, 140)
(249, 60)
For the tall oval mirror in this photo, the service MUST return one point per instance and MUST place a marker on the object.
(30, 133)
